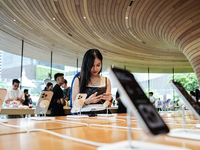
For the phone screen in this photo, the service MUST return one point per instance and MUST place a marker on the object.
(101, 90)
(146, 110)
(192, 102)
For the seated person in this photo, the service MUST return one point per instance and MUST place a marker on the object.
(121, 107)
(57, 101)
(48, 87)
(90, 81)
(15, 95)
(66, 90)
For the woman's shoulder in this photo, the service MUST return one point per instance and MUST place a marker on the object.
(105, 78)
(77, 79)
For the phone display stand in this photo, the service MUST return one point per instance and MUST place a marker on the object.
(135, 145)
(198, 125)
(43, 104)
(78, 104)
(105, 105)
(2, 97)
(2, 120)
(185, 133)
(77, 116)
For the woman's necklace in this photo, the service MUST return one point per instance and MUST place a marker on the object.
(93, 82)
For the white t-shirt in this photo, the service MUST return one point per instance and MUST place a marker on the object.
(14, 93)
(152, 99)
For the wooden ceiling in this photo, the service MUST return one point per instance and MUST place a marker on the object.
(139, 34)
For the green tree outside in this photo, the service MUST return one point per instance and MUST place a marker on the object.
(188, 81)
(41, 72)
(3, 85)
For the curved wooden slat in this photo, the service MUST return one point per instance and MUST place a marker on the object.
(154, 34)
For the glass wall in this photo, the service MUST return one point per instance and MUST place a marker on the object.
(34, 70)
(36, 65)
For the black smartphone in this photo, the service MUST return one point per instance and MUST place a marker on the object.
(136, 101)
(101, 90)
(193, 105)
(92, 115)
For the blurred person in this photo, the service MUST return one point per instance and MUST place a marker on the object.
(27, 98)
(15, 95)
(151, 98)
(121, 107)
(48, 87)
(159, 104)
(66, 90)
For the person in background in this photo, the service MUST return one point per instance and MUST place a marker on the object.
(151, 98)
(90, 81)
(192, 94)
(48, 87)
(15, 95)
(159, 104)
(57, 101)
(66, 90)
(121, 107)
(27, 97)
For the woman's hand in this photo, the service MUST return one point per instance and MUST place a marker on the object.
(93, 98)
(107, 96)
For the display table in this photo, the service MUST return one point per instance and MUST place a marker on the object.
(46, 141)
(16, 111)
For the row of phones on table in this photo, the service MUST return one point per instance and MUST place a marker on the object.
(136, 101)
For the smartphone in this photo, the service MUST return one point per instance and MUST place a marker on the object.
(3, 93)
(101, 90)
(136, 101)
(193, 105)
(45, 95)
(78, 103)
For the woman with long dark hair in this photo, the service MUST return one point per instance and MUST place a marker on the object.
(90, 80)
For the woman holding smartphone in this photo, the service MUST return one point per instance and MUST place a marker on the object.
(90, 82)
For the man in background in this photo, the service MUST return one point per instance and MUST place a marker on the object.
(27, 97)
(57, 101)
(151, 98)
(121, 107)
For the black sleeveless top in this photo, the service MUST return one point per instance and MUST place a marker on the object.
(91, 90)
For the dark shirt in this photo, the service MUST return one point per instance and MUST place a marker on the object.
(26, 102)
(66, 93)
(44, 89)
(91, 90)
(121, 107)
(57, 109)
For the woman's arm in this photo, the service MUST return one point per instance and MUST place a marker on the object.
(75, 90)
(108, 95)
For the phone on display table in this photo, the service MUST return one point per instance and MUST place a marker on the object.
(101, 91)
(3, 93)
(136, 101)
(78, 103)
(43, 102)
(188, 100)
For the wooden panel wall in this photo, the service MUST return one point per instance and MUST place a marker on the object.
(138, 34)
